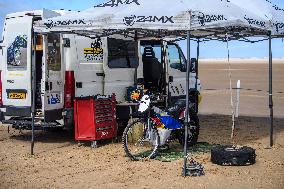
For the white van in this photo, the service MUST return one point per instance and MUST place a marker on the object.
(69, 66)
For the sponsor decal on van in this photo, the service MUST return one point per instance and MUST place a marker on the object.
(95, 52)
(53, 99)
(17, 52)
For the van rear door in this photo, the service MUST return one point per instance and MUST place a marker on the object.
(52, 81)
(16, 77)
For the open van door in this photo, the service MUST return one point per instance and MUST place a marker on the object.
(52, 86)
(176, 70)
(16, 68)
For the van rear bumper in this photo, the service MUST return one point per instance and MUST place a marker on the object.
(27, 124)
(15, 111)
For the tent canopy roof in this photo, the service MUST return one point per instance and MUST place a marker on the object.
(167, 18)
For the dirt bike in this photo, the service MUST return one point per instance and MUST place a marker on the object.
(154, 128)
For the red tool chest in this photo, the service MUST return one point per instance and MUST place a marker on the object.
(95, 118)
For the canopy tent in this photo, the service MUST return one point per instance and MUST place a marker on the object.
(272, 14)
(182, 18)
(204, 18)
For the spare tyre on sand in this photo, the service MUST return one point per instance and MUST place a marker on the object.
(233, 156)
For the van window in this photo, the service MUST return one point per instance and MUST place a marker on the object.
(53, 52)
(17, 53)
(176, 58)
(122, 53)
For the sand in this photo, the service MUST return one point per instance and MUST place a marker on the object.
(254, 84)
(60, 163)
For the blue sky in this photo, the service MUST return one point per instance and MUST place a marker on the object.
(208, 50)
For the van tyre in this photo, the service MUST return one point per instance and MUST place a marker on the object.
(2, 116)
(69, 121)
(232, 156)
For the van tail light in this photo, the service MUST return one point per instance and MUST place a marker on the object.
(69, 89)
(1, 100)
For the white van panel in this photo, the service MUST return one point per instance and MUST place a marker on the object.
(1, 50)
(17, 60)
(85, 57)
(69, 53)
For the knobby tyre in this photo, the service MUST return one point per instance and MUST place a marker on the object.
(136, 142)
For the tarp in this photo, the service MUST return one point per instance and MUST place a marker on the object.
(205, 17)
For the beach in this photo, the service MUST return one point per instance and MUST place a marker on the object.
(214, 75)
(60, 163)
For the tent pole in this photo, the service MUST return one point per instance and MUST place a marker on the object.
(136, 72)
(187, 105)
(33, 89)
(197, 73)
(197, 57)
(270, 90)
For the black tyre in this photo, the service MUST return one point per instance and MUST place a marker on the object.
(232, 156)
(193, 134)
(69, 123)
(136, 142)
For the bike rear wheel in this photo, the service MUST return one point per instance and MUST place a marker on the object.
(193, 134)
(138, 142)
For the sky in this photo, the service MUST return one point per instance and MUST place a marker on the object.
(210, 49)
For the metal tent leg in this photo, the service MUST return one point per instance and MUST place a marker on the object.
(187, 105)
(33, 89)
(197, 73)
(270, 90)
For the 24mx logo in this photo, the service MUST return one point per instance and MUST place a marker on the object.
(131, 20)
(207, 18)
(50, 24)
(115, 3)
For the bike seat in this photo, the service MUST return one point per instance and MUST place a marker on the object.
(175, 109)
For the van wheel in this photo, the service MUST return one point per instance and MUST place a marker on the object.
(233, 156)
(69, 125)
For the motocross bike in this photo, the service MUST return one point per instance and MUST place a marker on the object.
(145, 134)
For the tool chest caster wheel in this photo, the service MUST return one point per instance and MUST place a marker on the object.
(94, 144)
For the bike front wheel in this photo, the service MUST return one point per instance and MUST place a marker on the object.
(140, 141)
